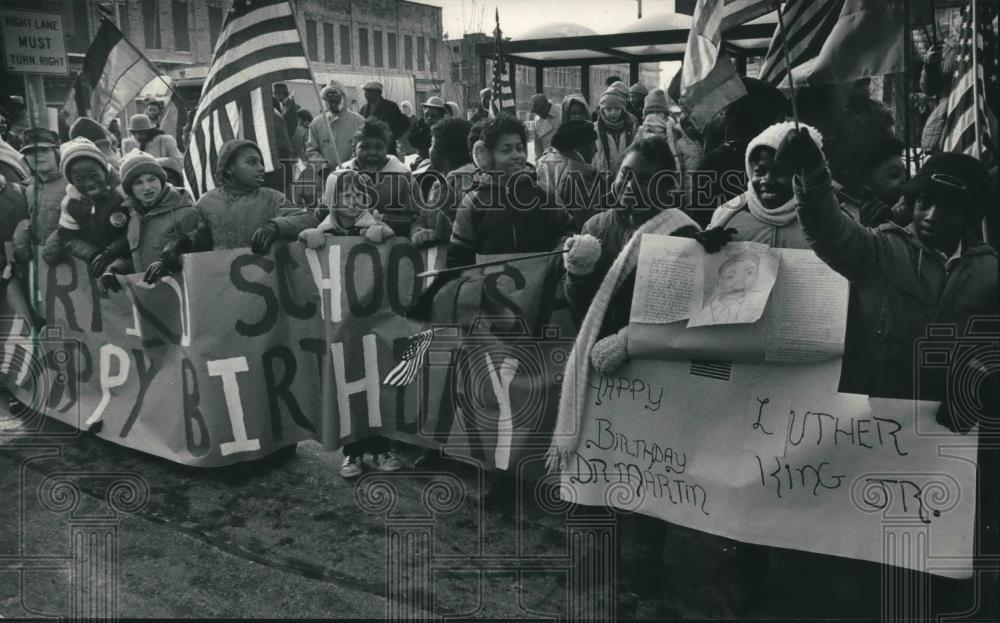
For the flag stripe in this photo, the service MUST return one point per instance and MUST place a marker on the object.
(809, 23)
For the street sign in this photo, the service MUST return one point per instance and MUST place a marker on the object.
(33, 43)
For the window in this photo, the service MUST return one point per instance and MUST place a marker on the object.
(151, 23)
(311, 41)
(377, 42)
(363, 46)
(421, 45)
(181, 41)
(456, 72)
(214, 24)
(434, 55)
(393, 54)
(328, 43)
(345, 44)
(407, 51)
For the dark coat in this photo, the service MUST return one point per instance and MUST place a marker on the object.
(389, 112)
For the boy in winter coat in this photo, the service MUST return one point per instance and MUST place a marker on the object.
(160, 214)
(44, 192)
(92, 219)
(370, 194)
(506, 212)
(615, 128)
(240, 211)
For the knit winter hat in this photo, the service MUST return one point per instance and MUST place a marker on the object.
(536, 100)
(226, 153)
(639, 88)
(136, 163)
(332, 86)
(771, 137)
(613, 97)
(87, 128)
(575, 98)
(10, 157)
(80, 148)
(573, 135)
(656, 101)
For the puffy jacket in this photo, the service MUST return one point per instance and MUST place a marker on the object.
(488, 222)
(736, 215)
(43, 197)
(160, 146)
(151, 229)
(393, 199)
(86, 228)
(570, 182)
(611, 146)
(329, 140)
(231, 216)
(13, 210)
(901, 287)
(448, 196)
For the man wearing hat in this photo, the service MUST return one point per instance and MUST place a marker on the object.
(384, 110)
(565, 172)
(150, 139)
(482, 112)
(547, 121)
(46, 189)
(434, 110)
(328, 142)
(286, 105)
(636, 99)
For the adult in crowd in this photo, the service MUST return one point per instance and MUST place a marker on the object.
(150, 139)
(482, 111)
(301, 133)
(874, 184)
(87, 128)
(434, 109)
(153, 109)
(636, 99)
(565, 173)
(615, 128)
(935, 81)
(384, 110)
(328, 144)
(405, 147)
(547, 119)
(285, 104)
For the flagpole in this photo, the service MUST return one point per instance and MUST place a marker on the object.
(788, 65)
(907, 133)
(977, 144)
(459, 269)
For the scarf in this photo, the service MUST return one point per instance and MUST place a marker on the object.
(566, 436)
(777, 217)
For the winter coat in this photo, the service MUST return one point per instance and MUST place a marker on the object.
(736, 215)
(544, 131)
(232, 216)
(298, 138)
(902, 287)
(160, 146)
(44, 198)
(611, 147)
(389, 112)
(570, 182)
(13, 210)
(490, 222)
(87, 228)
(392, 200)
(330, 138)
(150, 229)
(448, 196)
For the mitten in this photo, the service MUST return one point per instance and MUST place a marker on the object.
(314, 237)
(378, 233)
(610, 353)
(155, 271)
(109, 281)
(714, 238)
(423, 237)
(583, 252)
(799, 152)
(100, 261)
(170, 257)
(263, 238)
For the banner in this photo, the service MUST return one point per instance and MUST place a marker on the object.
(242, 354)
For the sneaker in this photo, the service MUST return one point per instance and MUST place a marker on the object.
(351, 467)
(388, 461)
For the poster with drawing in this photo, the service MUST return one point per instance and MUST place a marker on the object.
(736, 283)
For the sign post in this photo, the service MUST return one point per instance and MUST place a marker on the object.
(34, 44)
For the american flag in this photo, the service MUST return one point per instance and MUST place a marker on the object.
(975, 69)
(503, 97)
(411, 361)
(809, 23)
(258, 46)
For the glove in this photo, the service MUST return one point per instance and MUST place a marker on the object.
(109, 281)
(798, 152)
(583, 251)
(378, 233)
(155, 271)
(263, 238)
(714, 238)
(170, 257)
(610, 353)
(314, 237)
(423, 237)
(874, 212)
(100, 262)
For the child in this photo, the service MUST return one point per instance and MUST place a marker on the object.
(506, 211)
(92, 219)
(615, 129)
(160, 215)
(44, 192)
(240, 211)
(13, 207)
(575, 108)
(370, 194)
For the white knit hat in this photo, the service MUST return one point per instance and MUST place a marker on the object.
(80, 148)
(10, 157)
(771, 137)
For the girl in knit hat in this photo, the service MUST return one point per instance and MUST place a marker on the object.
(240, 211)
(92, 219)
(160, 215)
(615, 128)
(45, 191)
